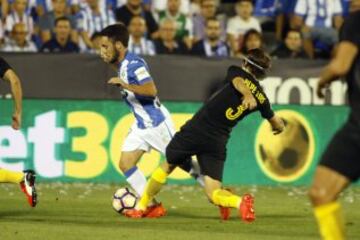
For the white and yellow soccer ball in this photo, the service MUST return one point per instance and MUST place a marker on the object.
(124, 199)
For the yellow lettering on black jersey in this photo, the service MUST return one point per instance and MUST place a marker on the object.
(232, 114)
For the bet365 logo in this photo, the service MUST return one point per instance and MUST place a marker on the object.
(81, 145)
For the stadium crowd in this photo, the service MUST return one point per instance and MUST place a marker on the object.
(211, 28)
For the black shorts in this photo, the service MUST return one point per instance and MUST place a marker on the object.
(210, 151)
(343, 152)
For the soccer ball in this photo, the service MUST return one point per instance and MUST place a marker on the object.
(124, 199)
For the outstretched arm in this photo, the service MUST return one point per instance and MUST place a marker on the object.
(339, 65)
(16, 91)
(248, 101)
(146, 89)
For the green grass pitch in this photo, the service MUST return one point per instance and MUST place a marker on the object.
(83, 211)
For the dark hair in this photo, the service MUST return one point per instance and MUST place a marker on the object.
(59, 19)
(95, 35)
(247, 36)
(117, 33)
(137, 16)
(258, 62)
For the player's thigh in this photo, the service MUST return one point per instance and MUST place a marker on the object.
(339, 165)
(130, 159)
(135, 140)
(132, 150)
(342, 153)
(327, 185)
(212, 164)
(159, 137)
(181, 147)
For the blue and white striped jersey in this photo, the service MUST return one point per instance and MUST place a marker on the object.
(318, 13)
(91, 22)
(148, 111)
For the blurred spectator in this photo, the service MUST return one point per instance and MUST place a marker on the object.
(42, 6)
(135, 8)
(211, 45)
(183, 23)
(237, 26)
(265, 12)
(77, 5)
(114, 4)
(319, 21)
(284, 14)
(93, 19)
(19, 15)
(207, 11)
(194, 7)
(19, 41)
(61, 41)
(1, 34)
(292, 46)
(252, 39)
(168, 44)
(4, 9)
(138, 44)
(47, 22)
(161, 5)
(345, 4)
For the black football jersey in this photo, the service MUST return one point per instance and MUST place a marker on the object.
(224, 109)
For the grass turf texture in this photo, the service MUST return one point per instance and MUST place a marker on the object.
(83, 211)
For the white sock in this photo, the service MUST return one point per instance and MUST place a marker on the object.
(195, 172)
(136, 179)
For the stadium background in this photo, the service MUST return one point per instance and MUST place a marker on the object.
(74, 124)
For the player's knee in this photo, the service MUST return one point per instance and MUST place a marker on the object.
(319, 196)
(125, 165)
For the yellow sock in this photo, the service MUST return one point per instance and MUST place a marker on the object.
(330, 221)
(157, 180)
(225, 198)
(7, 176)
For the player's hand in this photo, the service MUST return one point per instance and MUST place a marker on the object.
(320, 89)
(278, 125)
(249, 102)
(16, 121)
(278, 131)
(117, 82)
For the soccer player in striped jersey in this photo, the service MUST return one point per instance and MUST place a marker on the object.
(26, 179)
(153, 128)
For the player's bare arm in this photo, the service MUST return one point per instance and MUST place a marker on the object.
(248, 100)
(147, 89)
(277, 124)
(339, 66)
(16, 90)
